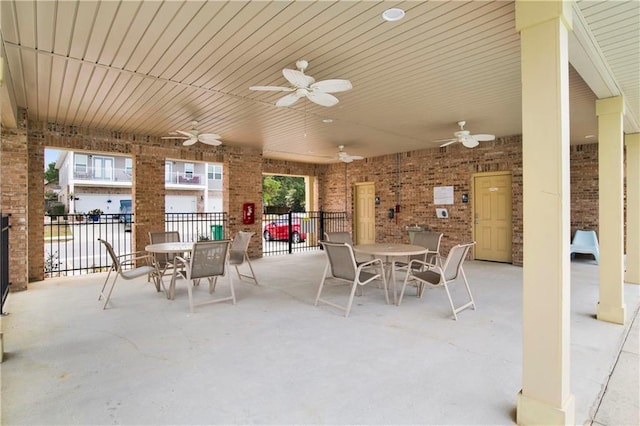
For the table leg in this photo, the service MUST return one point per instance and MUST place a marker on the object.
(395, 285)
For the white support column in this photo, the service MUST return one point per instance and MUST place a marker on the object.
(545, 397)
(610, 114)
(632, 274)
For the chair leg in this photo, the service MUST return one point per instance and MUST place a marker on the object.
(453, 309)
(189, 289)
(324, 277)
(113, 284)
(353, 293)
(233, 293)
(404, 286)
(105, 283)
(466, 284)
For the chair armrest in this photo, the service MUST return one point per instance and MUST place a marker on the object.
(370, 263)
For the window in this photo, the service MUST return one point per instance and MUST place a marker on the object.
(80, 163)
(102, 168)
(214, 171)
(168, 171)
(128, 166)
(188, 170)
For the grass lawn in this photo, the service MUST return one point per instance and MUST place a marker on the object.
(57, 231)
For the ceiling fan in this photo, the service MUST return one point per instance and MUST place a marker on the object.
(194, 135)
(306, 86)
(347, 158)
(465, 138)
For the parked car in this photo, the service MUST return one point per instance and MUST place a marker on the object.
(279, 230)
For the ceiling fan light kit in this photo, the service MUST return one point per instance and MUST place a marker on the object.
(194, 135)
(466, 138)
(305, 86)
(347, 158)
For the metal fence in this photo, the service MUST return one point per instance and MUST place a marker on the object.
(72, 246)
(4, 260)
(197, 226)
(297, 232)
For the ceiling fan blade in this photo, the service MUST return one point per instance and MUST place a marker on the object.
(356, 157)
(188, 134)
(210, 139)
(447, 141)
(484, 137)
(288, 100)
(272, 88)
(346, 159)
(297, 78)
(174, 137)
(190, 141)
(450, 141)
(332, 86)
(322, 98)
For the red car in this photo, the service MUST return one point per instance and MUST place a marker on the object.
(279, 230)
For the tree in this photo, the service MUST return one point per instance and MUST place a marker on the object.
(284, 191)
(51, 174)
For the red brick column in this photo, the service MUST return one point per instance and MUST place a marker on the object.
(147, 194)
(14, 201)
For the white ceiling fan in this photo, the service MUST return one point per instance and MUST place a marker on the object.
(194, 135)
(466, 138)
(347, 158)
(306, 86)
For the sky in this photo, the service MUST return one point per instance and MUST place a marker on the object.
(50, 156)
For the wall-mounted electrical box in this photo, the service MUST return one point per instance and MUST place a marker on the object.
(442, 213)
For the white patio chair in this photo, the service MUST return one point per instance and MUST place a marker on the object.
(341, 265)
(164, 261)
(429, 240)
(585, 242)
(238, 254)
(209, 259)
(119, 264)
(441, 276)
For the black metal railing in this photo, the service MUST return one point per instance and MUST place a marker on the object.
(4, 260)
(298, 232)
(71, 242)
(197, 226)
(72, 247)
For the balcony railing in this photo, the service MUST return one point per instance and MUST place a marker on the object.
(181, 178)
(114, 175)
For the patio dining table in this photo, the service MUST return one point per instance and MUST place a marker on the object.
(390, 251)
(178, 248)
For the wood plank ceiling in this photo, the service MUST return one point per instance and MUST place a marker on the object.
(151, 67)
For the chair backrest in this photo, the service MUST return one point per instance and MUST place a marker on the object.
(239, 246)
(114, 258)
(341, 259)
(429, 240)
(164, 237)
(585, 238)
(339, 237)
(208, 259)
(455, 259)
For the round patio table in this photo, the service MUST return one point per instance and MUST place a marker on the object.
(390, 251)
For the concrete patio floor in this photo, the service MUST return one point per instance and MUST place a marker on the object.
(274, 358)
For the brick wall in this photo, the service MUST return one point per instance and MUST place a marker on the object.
(14, 201)
(407, 178)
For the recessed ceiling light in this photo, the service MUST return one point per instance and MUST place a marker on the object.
(393, 14)
(327, 120)
(590, 136)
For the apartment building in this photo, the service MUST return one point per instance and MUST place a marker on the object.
(90, 180)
